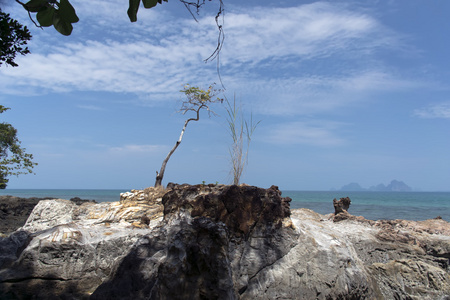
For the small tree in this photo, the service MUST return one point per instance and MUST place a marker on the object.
(13, 158)
(197, 99)
(241, 133)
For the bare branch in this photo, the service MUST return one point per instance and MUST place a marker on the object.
(219, 23)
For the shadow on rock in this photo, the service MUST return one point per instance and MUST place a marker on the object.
(213, 240)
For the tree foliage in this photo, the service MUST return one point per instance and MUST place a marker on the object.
(13, 38)
(197, 99)
(13, 158)
(134, 7)
(59, 14)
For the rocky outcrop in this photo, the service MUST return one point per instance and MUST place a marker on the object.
(219, 242)
(14, 211)
(213, 241)
(65, 250)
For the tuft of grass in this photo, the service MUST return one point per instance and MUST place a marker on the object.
(241, 133)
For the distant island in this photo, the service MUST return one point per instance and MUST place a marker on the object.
(394, 186)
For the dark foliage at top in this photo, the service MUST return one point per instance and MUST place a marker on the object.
(13, 38)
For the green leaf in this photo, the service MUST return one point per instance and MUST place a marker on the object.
(67, 12)
(150, 3)
(3, 109)
(45, 17)
(35, 5)
(61, 25)
(133, 9)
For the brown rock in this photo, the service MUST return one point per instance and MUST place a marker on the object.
(238, 207)
(341, 205)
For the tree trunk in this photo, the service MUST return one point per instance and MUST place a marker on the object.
(160, 175)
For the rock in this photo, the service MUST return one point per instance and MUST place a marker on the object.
(65, 250)
(214, 240)
(14, 211)
(79, 201)
(341, 205)
(219, 242)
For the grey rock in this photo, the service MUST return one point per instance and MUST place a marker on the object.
(219, 242)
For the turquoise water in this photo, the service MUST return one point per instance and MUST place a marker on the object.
(378, 205)
(371, 205)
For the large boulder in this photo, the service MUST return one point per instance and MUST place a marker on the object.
(65, 250)
(212, 242)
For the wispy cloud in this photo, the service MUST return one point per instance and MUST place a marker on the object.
(132, 148)
(437, 111)
(307, 31)
(120, 57)
(90, 107)
(310, 94)
(308, 133)
(137, 65)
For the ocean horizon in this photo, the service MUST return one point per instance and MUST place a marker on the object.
(371, 205)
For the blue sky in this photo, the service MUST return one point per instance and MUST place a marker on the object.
(346, 91)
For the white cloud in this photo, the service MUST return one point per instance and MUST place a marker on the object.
(90, 107)
(121, 57)
(314, 30)
(437, 111)
(318, 133)
(132, 148)
(150, 62)
(312, 94)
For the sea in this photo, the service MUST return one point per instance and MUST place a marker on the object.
(369, 204)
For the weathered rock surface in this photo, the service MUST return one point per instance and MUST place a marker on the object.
(14, 211)
(212, 242)
(219, 242)
(66, 250)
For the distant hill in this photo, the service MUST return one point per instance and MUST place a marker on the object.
(394, 186)
(352, 187)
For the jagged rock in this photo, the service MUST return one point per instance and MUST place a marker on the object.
(220, 242)
(14, 211)
(341, 205)
(214, 240)
(66, 250)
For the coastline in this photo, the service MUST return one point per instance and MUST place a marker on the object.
(416, 206)
(241, 241)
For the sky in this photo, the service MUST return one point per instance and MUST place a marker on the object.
(345, 91)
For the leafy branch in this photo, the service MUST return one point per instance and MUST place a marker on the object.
(13, 158)
(13, 36)
(60, 15)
